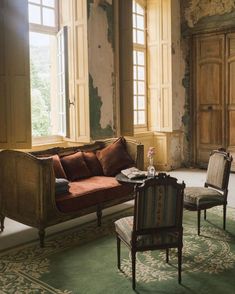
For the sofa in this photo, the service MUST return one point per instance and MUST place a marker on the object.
(30, 190)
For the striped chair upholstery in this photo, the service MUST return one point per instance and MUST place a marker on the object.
(157, 220)
(215, 189)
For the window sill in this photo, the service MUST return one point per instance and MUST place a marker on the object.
(47, 142)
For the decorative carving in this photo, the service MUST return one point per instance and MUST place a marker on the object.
(200, 8)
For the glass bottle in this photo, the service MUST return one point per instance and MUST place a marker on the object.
(151, 169)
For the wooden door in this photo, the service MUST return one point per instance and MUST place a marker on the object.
(230, 94)
(209, 112)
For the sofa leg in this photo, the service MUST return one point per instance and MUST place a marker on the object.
(41, 233)
(2, 218)
(99, 215)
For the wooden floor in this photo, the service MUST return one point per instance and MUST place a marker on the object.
(16, 233)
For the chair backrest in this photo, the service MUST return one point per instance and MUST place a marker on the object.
(218, 169)
(158, 204)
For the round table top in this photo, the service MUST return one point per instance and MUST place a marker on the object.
(123, 179)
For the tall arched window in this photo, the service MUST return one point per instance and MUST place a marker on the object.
(139, 64)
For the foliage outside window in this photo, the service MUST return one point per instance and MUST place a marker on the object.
(46, 69)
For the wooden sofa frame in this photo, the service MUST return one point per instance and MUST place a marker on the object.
(27, 191)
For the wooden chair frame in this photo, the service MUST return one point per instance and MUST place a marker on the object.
(162, 179)
(223, 190)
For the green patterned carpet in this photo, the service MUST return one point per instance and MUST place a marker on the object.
(83, 261)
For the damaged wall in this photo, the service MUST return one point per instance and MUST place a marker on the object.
(101, 67)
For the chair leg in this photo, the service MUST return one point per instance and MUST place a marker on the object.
(133, 257)
(167, 255)
(2, 218)
(224, 216)
(41, 234)
(99, 216)
(179, 264)
(118, 253)
(204, 214)
(198, 221)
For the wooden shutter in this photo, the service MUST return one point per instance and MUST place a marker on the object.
(73, 14)
(126, 67)
(80, 63)
(159, 65)
(15, 111)
(165, 67)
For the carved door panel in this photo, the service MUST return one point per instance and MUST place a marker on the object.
(209, 95)
(230, 94)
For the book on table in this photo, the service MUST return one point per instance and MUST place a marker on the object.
(134, 173)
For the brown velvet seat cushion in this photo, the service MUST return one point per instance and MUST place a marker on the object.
(58, 168)
(115, 157)
(93, 163)
(75, 167)
(88, 192)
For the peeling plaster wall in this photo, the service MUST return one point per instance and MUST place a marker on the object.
(178, 68)
(177, 150)
(198, 9)
(101, 67)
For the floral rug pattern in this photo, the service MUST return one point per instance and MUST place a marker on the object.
(21, 268)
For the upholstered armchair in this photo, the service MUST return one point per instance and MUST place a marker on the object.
(215, 190)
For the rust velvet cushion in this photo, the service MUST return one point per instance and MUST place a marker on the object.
(75, 166)
(115, 157)
(93, 191)
(58, 168)
(93, 163)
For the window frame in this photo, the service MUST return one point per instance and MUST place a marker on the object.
(141, 48)
(40, 28)
(43, 29)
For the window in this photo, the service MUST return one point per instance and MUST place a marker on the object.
(139, 64)
(47, 70)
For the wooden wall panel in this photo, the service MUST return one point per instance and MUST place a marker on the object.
(230, 93)
(125, 67)
(15, 112)
(209, 95)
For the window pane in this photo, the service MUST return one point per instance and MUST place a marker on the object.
(135, 88)
(135, 118)
(135, 102)
(140, 73)
(133, 6)
(141, 90)
(140, 58)
(134, 18)
(42, 65)
(140, 22)
(139, 9)
(34, 14)
(141, 117)
(134, 57)
(141, 102)
(135, 72)
(140, 37)
(34, 1)
(48, 17)
(50, 3)
(134, 36)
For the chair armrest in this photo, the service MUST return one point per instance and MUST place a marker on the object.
(27, 187)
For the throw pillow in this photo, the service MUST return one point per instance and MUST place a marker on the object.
(115, 157)
(61, 186)
(75, 167)
(93, 163)
(58, 168)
